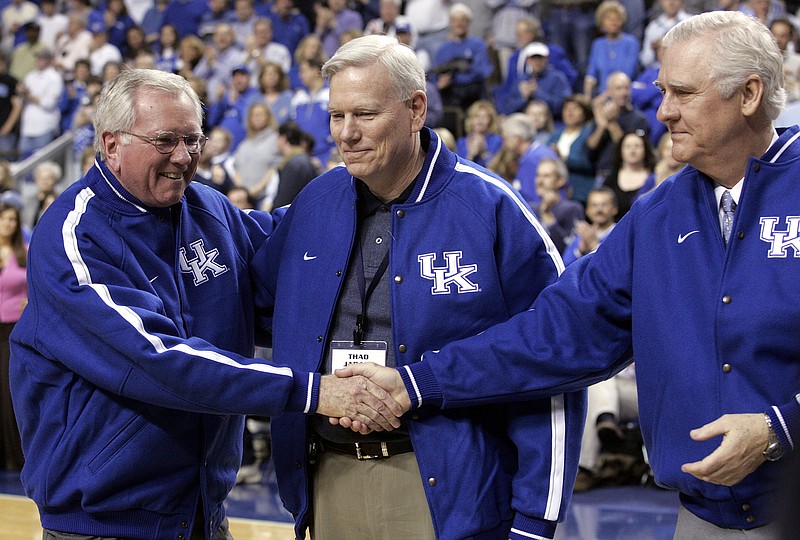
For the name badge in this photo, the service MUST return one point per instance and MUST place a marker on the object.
(346, 353)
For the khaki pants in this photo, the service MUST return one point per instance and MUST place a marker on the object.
(376, 499)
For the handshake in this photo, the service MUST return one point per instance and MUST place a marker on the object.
(364, 397)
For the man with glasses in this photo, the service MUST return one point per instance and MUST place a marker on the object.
(133, 362)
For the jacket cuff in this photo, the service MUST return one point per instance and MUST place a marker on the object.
(304, 394)
(421, 385)
(528, 527)
(786, 422)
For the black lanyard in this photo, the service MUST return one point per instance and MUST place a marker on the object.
(362, 323)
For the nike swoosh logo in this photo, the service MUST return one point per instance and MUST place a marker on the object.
(683, 237)
(307, 257)
(155, 278)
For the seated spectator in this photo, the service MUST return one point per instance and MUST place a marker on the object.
(289, 26)
(309, 49)
(601, 218)
(166, 49)
(785, 36)
(274, 86)
(540, 81)
(135, 44)
(632, 175)
(614, 115)
(257, 157)
(513, 25)
(334, 18)
(297, 167)
(46, 179)
(666, 165)
(215, 167)
(570, 143)
(671, 14)
(613, 51)
(609, 403)
(462, 65)
(556, 214)
(542, 118)
(218, 12)
(40, 90)
(261, 48)
(447, 137)
(519, 137)
(110, 70)
(482, 139)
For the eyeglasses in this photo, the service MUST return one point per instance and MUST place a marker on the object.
(166, 143)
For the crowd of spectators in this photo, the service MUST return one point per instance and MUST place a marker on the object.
(517, 86)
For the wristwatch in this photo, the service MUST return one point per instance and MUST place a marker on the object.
(774, 450)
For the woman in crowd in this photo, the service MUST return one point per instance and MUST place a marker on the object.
(13, 298)
(166, 49)
(482, 139)
(274, 85)
(613, 51)
(257, 156)
(632, 175)
(309, 48)
(570, 144)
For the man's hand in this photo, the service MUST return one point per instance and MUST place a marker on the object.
(386, 378)
(359, 399)
(744, 439)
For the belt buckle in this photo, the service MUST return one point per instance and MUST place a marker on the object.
(363, 457)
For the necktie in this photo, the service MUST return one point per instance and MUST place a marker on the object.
(728, 207)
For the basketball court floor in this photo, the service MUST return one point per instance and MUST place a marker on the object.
(618, 513)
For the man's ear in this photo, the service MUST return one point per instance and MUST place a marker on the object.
(419, 110)
(111, 146)
(752, 95)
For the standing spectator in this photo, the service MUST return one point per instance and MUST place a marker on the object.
(498, 472)
(101, 52)
(614, 115)
(190, 53)
(261, 48)
(23, 57)
(185, 15)
(230, 107)
(219, 12)
(671, 14)
(257, 157)
(613, 51)
(571, 25)
(785, 36)
(289, 26)
(10, 111)
(41, 90)
(601, 218)
(462, 62)
(274, 86)
(115, 17)
(570, 141)
(482, 139)
(215, 167)
(309, 49)
(51, 22)
(519, 137)
(13, 299)
(334, 18)
(75, 90)
(74, 44)
(219, 60)
(632, 175)
(557, 214)
(431, 20)
(297, 167)
(135, 45)
(15, 15)
(310, 108)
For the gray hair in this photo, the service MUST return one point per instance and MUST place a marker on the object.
(116, 109)
(741, 46)
(460, 9)
(518, 125)
(405, 71)
(561, 167)
(49, 167)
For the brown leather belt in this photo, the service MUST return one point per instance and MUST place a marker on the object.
(369, 450)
